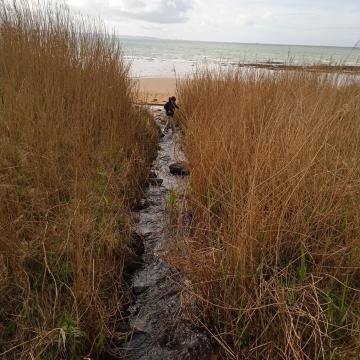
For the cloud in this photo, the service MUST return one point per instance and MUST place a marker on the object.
(268, 16)
(245, 20)
(330, 22)
(156, 11)
(249, 19)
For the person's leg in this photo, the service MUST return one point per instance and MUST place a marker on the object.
(167, 126)
(172, 124)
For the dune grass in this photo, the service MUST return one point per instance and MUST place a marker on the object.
(73, 154)
(274, 248)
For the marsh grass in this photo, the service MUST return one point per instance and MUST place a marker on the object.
(275, 187)
(73, 154)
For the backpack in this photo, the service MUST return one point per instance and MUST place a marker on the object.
(167, 106)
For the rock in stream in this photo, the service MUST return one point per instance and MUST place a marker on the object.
(179, 168)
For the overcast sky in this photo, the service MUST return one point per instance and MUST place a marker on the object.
(312, 22)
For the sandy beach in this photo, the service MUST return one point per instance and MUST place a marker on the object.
(156, 90)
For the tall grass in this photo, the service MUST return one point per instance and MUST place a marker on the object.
(274, 250)
(73, 153)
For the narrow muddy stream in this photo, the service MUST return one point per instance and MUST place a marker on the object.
(161, 310)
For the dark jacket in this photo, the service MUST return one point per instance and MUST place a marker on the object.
(170, 107)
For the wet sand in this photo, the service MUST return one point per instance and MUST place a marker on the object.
(156, 90)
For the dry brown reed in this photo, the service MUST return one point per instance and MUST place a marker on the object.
(73, 154)
(274, 195)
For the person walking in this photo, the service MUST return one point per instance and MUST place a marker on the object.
(170, 107)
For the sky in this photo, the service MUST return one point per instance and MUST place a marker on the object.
(303, 22)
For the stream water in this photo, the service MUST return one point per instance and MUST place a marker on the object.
(160, 315)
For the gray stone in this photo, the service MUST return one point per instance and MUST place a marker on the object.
(180, 168)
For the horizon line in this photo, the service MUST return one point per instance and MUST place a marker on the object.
(233, 42)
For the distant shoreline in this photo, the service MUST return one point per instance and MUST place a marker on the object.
(273, 65)
(157, 89)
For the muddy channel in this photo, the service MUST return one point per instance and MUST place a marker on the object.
(161, 311)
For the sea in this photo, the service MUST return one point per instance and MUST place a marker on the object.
(167, 58)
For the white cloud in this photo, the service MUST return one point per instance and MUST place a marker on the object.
(328, 22)
(156, 11)
(268, 15)
(245, 20)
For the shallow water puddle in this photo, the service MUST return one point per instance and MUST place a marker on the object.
(159, 314)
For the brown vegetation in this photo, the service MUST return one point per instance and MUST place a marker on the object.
(274, 249)
(73, 151)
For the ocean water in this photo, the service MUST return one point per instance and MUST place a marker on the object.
(156, 57)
